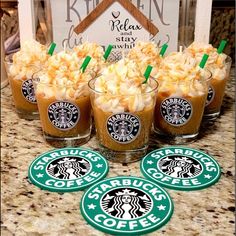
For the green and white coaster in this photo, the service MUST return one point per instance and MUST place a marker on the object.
(126, 205)
(67, 169)
(181, 168)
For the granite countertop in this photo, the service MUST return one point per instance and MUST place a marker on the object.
(27, 210)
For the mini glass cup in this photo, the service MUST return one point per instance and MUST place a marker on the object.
(216, 93)
(177, 116)
(23, 91)
(65, 113)
(123, 136)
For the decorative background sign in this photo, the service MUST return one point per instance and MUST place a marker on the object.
(116, 25)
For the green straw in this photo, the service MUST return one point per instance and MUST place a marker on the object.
(108, 51)
(51, 49)
(147, 74)
(222, 46)
(163, 49)
(203, 61)
(85, 63)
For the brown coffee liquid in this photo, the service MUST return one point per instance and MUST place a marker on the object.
(219, 88)
(101, 117)
(81, 128)
(190, 127)
(21, 103)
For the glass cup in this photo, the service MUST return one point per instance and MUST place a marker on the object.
(123, 136)
(65, 113)
(216, 93)
(23, 91)
(178, 114)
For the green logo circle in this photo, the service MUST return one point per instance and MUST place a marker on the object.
(126, 205)
(181, 168)
(67, 169)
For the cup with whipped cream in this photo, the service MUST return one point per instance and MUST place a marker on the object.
(20, 68)
(63, 100)
(123, 108)
(182, 93)
(219, 64)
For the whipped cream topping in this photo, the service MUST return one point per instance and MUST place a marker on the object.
(93, 50)
(62, 77)
(120, 89)
(144, 54)
(216, 62)
(28, 60)
(180, 75)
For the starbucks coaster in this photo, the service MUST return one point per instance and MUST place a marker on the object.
(126, 206)
(181, 168)
(67, 169)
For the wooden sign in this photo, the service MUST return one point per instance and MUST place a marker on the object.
(118, 22)
(115, 22)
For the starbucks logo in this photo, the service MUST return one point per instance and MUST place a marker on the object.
(123, 127)
(176, 111)
(63, 115)
(210, 96)
(68, 168)
(180, 166)
(27, 89)
(126, 203)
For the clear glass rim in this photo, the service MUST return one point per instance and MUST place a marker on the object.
(228, 60)
(209, 77)
(91, 87)
(8, 59)
(37, 81)
(10, 63)
(24, 76)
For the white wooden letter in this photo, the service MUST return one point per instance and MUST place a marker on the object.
(203, 21)
(26, 19)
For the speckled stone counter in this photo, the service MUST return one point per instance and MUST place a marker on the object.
(27, 210)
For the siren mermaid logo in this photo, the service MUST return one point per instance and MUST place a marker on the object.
(210, 95)
(176, 111)
(180, 167)
(68, 168)
(123, 127)
(27, 89)
(126, 203)
(63, 115)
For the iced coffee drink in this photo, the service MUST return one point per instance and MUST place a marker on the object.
(63, 100)
(219, 65)
(31, 57)
(123, 109)
(182, 93)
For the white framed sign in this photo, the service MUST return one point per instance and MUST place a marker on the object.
(64, 16)
(116, 24)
